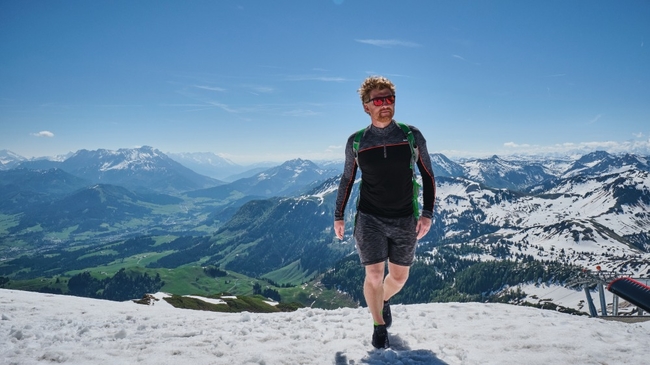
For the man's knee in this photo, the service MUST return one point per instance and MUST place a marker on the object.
(399, 273)
(375, 274)
(399, 280)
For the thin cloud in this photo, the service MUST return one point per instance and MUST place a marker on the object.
(316, 78)
(373, 73)
(330, 79)
(255, 89)
(595, 119)
(263, 89)
(52, 105)
(182, 105)
(119, 105)
(193, 107)
(458, 57)
(47, 134)
(223, 106)
(300, 113)
(515, 145)
(388, 43)
(210, 88)
(641, 147)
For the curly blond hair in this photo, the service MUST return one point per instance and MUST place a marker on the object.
(372, 83)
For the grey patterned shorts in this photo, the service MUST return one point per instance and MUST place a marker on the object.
(379, 238)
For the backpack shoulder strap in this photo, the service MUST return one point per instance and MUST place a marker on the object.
(414, 160)
(411, 139)
(355, 144)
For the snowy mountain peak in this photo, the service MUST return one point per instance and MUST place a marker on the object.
(9, 159)
(142, 167)
(293, 170)
(594, 157)
(6, 154)
(603, 163)
(299, 163)
(205, 158)
(583, 220)
(142, 158)
(443, 166)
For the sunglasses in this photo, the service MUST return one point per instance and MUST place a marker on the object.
(381, 100)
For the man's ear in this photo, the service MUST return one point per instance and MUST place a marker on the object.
(366, 109)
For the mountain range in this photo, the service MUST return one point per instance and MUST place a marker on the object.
(286, 179)
(9, 159)
(144, 169)
(584, 212)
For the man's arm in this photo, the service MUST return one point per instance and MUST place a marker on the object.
(345, 188)
(426, 171)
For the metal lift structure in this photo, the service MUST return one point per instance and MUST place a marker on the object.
(635, 290)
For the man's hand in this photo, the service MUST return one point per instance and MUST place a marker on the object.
(339, 228)
(423, 226)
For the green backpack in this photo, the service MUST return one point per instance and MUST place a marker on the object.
(414, 158)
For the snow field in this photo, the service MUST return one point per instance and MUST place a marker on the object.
(40, 328)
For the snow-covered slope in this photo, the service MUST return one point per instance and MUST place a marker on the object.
(585, 220)
(208, 164)
(135, 168)
(9, 159)
(44, 329)
(287, 179)
(511, 174)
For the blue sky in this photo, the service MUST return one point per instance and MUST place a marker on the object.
(277, 79)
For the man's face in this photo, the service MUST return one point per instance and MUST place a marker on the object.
(383, 113)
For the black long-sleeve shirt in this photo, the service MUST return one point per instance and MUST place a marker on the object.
(386, 177)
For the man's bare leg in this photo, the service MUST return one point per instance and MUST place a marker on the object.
(373, 290)
(394, 281)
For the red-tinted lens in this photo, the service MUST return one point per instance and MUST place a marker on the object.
(388, 100)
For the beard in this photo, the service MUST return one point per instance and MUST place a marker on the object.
(384, 117)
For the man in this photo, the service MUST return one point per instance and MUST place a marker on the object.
(386, 225)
